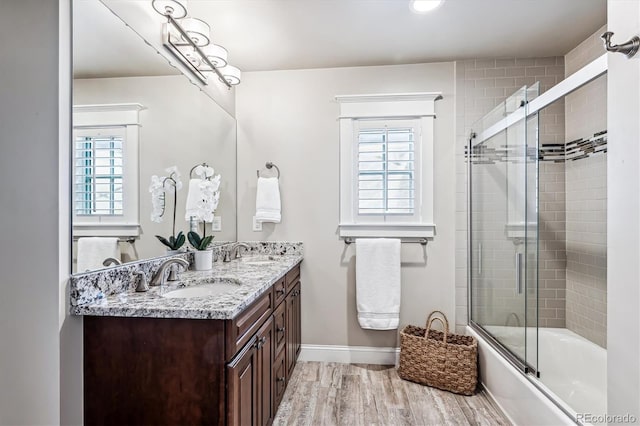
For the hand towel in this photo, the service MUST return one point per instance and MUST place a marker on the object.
(195, 198)
(268, 200)
(92, 251)
(378, 283)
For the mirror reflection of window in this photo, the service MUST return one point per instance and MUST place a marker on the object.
(98, 172)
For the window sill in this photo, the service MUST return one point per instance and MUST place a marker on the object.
(385, 230)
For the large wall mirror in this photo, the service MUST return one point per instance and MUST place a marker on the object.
(135, 117)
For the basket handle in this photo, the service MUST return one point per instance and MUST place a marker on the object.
(443, 321)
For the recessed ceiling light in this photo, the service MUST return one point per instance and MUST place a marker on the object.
(424, 6)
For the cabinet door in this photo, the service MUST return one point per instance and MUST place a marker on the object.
(280, 326)
(280, 377)
(293, 327)
(242, 393)
(298, 319)
(265, 350)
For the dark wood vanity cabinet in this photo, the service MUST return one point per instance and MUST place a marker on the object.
(293, 327)
(276, 347)
(193, 371)
(250, 382)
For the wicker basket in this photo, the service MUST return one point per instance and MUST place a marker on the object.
(438, 358)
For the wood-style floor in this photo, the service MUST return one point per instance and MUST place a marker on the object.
(322, 393)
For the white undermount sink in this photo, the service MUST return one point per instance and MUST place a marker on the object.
(211, 288)
(258, 260)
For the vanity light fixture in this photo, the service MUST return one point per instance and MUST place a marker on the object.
(189, 40)
(198, 30)
(175, 8)
(231, 74)
(424, 6)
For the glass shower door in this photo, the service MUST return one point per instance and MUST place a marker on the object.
(502, 179)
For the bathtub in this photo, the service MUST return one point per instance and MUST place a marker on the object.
(572, 372)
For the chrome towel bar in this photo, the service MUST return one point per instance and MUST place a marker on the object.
(422, 241)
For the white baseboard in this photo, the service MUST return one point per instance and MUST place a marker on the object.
(350, 354)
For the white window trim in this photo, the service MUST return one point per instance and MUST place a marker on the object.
(124, 116)
(380, 107)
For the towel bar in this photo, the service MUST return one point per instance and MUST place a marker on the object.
(129, 240)
(194, 168)
(269, 165)
(422, 241)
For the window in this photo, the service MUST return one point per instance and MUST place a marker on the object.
(105, 170)
(386, 165)
(98, 174)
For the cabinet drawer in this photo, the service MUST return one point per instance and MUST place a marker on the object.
(292, 277)
(279, 380)
(242, 328)
(280, 321)
(279, 291)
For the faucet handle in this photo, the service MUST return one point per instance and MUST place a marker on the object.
(174, 272)
(143, 283)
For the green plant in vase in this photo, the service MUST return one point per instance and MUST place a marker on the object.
(199, 243)
(203, 256)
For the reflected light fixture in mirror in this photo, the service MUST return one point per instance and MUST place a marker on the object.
(189, 40)
(424, 6)
(174, 8)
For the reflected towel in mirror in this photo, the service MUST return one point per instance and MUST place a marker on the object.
(92, 251)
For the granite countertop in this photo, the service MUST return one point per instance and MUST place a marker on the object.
(254, 280)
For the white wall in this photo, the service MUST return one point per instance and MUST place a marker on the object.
(32, 262)
(290, 118)
(623, 207)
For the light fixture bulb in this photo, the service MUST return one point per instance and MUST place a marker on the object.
(217, 55)
(231, 74)
(175, 8)
(198, 30)
(424, 6)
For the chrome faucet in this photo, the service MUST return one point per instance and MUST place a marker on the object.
(111, 261)
(234, 252)
(159, 278)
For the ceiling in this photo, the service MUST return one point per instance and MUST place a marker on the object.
(298, 34)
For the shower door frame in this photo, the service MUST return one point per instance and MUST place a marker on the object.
(583, 76)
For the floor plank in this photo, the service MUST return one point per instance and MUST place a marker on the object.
(332, 394)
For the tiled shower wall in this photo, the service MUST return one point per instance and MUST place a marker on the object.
(572, 227)
(586, 181)
(481, 85)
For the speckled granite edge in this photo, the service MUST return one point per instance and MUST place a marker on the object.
(253, 282)
(90, 287)
(279, 248)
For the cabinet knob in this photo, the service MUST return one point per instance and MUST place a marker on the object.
(280, 291)
(280, 379)
(280, 329)
(263, 339)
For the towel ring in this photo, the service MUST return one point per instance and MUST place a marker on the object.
(269, 165)
(194, 167)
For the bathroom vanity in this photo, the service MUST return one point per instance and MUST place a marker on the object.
(220, 359)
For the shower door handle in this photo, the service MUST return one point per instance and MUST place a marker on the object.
(518, 273)
(479, 259)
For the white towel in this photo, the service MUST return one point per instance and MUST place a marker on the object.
(268, 200)
(378, 283)
(93, 251)
(194, 199)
